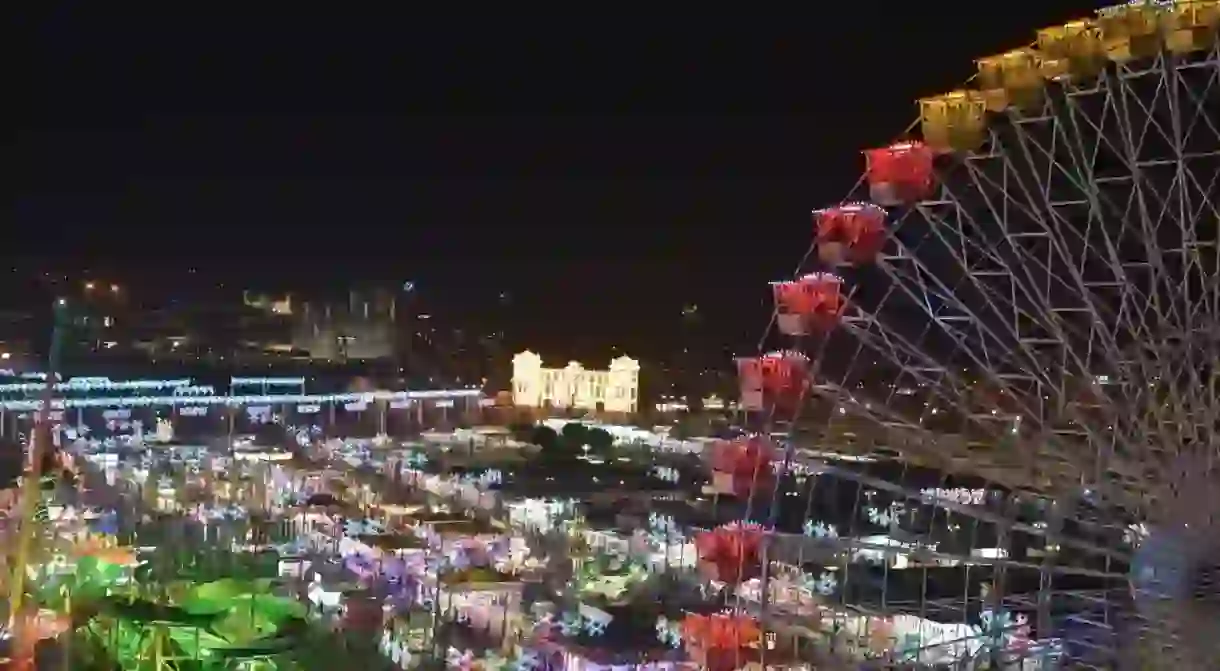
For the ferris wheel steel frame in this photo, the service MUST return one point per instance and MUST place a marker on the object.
(1078, 239)
(995, 279)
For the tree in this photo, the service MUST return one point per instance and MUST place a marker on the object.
(575, 436)
(599, 440)
(554, 445)
(683, 428)
(270, 434)
(545, 438)
(522, 431)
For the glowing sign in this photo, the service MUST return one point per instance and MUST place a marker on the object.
(443, 396)
(95, 384)
(957, 495)
(666, 473)
(266, 381)
(195, 390)
(259, 414)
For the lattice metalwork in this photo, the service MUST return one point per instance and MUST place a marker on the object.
(1027, 312)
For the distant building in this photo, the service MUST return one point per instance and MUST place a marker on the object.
(361, 328)
(16, 331)
(332, 333)
(615, 389)
(280, 305)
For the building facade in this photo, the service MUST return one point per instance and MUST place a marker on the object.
(362, 328)
(615, 389)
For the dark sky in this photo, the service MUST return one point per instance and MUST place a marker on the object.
(602, 170)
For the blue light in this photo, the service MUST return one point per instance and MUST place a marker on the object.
(353, 528)
(820, 530)
(100, 384)
(669, 633)
(826, 584)
(266, 382)
(238, 401)
(879, 517)
(594, 627)
(571, 624)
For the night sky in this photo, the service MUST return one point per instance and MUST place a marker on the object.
(603, 172)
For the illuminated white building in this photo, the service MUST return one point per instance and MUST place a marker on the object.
(615, 389)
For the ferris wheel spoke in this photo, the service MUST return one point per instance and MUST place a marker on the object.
(1194, 133)
(898, 489)
(1129, 298)
(1050, 245)
(1178, 279)
(1010, 290)
(1097, 124)
(1096, 264)
(984, 321)
(1133, 313)
(1034, 252)
(939, 386)
(957, 453)
(1150, 201)
(934, 375)
(988, 368)
(917, 353)
(1197, 150)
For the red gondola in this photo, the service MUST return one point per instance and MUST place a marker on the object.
(814, 303)
(851, 234)
(900, 174)
(721, 641)
(775, 380)
(744, 467)
(730, 553)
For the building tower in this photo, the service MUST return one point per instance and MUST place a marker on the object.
(527, 379)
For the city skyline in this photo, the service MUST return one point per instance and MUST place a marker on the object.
(605, 191)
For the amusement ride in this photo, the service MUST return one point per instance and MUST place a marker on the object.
(1002, 342)
(1022, 293)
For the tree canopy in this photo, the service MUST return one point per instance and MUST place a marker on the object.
(572, 440)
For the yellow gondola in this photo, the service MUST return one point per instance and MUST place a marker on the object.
(1011, 78)
(955, 121)
(1191, 26)
(1132, 31)
(1074, 50)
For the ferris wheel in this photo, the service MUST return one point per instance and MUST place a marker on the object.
(1024, 294)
